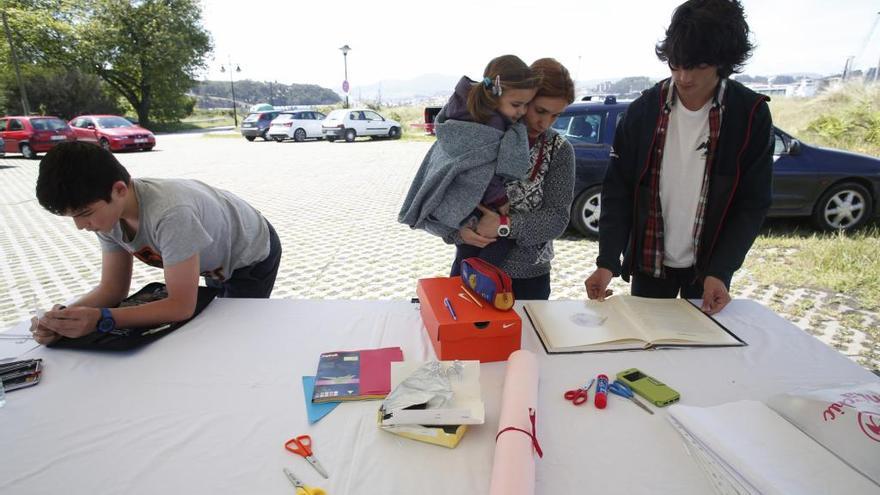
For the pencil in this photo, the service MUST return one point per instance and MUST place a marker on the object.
(468, 293)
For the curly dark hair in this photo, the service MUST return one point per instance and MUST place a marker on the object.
(711, 32)
(75, 174)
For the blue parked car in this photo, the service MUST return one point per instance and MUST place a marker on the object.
(838, 189)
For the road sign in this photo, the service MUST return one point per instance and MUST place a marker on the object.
(345, 86)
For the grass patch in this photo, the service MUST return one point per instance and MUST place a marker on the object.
(221, 135)
(829, 262)
(846, 118)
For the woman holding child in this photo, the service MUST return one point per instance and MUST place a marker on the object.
(527, 201)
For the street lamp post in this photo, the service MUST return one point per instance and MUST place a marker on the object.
(345, 49)
(232, 85)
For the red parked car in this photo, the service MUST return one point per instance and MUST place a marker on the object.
(112, 132)
(34, 134)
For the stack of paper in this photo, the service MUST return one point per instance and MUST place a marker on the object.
(746, 448)
(428, 418)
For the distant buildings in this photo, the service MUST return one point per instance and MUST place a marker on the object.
(804, 88)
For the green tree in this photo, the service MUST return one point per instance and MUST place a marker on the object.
(60, 92)
(148, 51)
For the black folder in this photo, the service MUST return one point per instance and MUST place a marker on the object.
(123, 339)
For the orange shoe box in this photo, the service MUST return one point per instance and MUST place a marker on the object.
(485, 334)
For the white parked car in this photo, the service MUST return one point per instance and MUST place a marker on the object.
(350, 123)
(299, 126)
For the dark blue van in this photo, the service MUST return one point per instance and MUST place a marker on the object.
(838, 189)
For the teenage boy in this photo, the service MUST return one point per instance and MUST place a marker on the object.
(689, 182)
(185, 227)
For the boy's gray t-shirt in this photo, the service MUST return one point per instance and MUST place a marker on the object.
(178, 218)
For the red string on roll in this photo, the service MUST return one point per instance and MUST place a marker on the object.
(532, 434)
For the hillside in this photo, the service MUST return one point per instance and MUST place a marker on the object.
(218, 94)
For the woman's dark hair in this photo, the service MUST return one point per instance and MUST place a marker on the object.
(711, 32)
(555, 79)
(74, 175)
(513, 73)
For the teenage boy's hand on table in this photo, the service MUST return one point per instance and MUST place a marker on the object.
(715, 295)
(69, 322)
(42, 334)
(489, 222)
(597, 284)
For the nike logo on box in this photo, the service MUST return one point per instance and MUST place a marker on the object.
(507, 325)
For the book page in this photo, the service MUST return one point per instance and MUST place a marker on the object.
(768, 452)
(674, 321)
(573, 324)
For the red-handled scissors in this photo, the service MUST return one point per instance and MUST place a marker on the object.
(579, 395)
(302, 446)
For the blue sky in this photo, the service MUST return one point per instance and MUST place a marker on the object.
(298, 41)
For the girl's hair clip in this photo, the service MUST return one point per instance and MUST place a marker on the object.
(495, 86)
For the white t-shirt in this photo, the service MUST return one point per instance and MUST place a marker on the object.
(681, 177)
(178, 218)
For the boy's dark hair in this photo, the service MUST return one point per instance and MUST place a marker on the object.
(711, 32)
(513, 73)
(74, 175)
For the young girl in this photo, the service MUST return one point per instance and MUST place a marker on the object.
(479, 148)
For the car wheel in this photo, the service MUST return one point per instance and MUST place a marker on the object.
(845, 206)
(331, 138)
(586, 210)
(278, 139)
(299, 135)
(104, 144)
(250, 138)
(27, 151)
(350, 134)
(394, 133)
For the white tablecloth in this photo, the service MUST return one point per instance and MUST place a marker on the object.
(208, 408)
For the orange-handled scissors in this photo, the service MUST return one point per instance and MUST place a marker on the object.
(302, 446)
(579, 395)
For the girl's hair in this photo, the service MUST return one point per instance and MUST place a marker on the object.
(555, 79)
(513, 74)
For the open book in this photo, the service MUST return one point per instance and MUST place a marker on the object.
(624, 323)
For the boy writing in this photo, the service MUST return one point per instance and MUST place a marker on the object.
(185, 227)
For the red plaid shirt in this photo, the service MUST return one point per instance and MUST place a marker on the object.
(652, 252)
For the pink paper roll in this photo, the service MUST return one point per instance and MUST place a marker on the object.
(513, 470)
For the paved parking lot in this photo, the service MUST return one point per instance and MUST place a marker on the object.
(334, 207)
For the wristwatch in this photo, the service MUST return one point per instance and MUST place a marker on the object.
(106, 324)
(503, 226)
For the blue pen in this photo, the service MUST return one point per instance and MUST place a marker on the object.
(448, 304)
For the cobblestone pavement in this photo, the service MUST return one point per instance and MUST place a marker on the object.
(334, 206)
